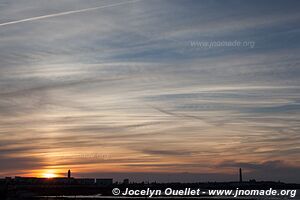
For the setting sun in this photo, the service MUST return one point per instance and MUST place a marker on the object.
(49, 175)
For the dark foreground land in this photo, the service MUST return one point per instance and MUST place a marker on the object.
(68, 191)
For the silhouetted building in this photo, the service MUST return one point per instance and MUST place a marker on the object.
(8, 179)
(252, 181)
(104, 181)
(2, 181)
(126, 181)
(241, 176)
(62, 180)
(85, 181)
(29, 180)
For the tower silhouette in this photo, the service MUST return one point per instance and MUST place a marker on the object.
(69, 174)
(241, 176)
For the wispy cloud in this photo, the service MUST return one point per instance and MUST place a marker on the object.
(121, 78)
(65, 13)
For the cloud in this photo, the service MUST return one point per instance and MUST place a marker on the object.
(16, 164)
(268, 170)
(65, 13)
(126, 81)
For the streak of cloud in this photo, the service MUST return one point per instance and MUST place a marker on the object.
(66, 13)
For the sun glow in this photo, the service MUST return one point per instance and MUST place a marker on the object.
(49, 175)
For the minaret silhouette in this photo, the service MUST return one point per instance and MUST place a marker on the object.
(241, 176)
(69, 174)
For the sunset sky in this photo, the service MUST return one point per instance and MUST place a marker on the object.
(118, 88)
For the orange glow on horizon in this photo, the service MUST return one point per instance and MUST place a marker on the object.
(49, 175)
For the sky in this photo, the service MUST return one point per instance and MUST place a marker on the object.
(167, 90)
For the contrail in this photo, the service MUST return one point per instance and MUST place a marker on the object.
(65, 13)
